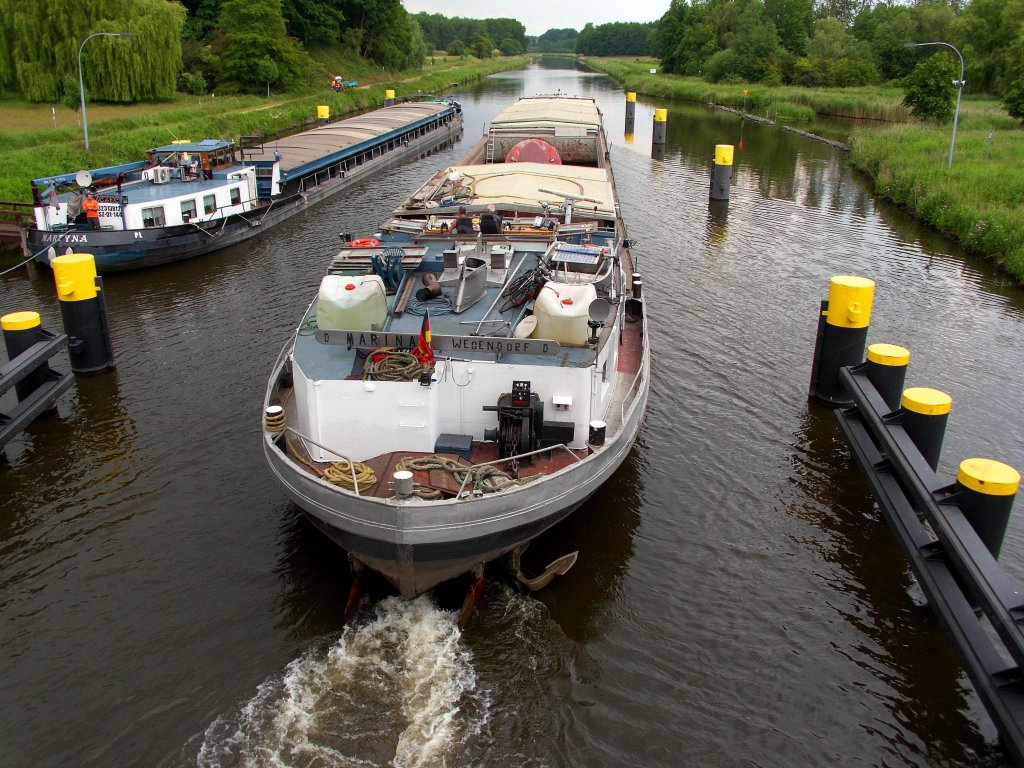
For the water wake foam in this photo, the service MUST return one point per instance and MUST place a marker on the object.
(397, 690)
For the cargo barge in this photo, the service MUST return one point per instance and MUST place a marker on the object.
(192, 197)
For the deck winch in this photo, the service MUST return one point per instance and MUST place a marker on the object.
(520, 421)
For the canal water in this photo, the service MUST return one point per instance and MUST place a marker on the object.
(737, 602)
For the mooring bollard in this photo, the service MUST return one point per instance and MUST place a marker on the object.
(924, 415)
(660, 127)
(83, 309)
(886, 367)
(987, 489)
(721, 172)
(630, 110)
(842, 334)
(323, 114)
(22, 330)
(389, 98)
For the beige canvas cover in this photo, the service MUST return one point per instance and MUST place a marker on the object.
(555, 112)
(511, 185)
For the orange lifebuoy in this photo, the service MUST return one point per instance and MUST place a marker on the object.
(365, 242)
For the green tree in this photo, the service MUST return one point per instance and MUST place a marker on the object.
(792, 20)
(457, 48)
(39, 44)
(255, 52)
(317, 22)
(510, 47)
(1013, 92)
(481, 46)
(929, 89)
(989, 32)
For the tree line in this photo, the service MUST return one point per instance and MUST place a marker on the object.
(845, 42)
(231, 46)
(481, 37)
(252, 45)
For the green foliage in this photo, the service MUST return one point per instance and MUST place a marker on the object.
(440, 32)
(456, 48)
(481, 46)
(617, 39)
(929, 89)
(510, 47)
(193, 83)
(792, 20)
(40, 43)
(1013, 92)
(255, 52)
(70, 96)
(313, 21)
(988, 32)
(557, 41)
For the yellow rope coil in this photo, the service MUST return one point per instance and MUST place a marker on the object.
(340, 473)
(274, 423)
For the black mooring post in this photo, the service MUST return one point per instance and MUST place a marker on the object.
(22, 331)
(630, 110)
(886, 368)
(923, 414)
(660, 127)
(987, 489)
(842, 334)
(721, 172)
(83, 309)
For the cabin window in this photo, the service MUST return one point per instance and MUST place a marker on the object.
(188, 210)
(153, 217)
(236, 196)
(209, 203)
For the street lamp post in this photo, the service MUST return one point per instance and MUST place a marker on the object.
(959, 91)
(81, 88)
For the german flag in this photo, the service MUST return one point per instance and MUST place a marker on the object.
(423, 352)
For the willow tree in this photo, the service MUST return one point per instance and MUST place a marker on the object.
(40, 42)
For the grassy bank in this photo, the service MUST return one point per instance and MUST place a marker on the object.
(783, 103)
(33, 148)
(977, 203)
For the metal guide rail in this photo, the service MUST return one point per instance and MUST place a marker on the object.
(956, 570)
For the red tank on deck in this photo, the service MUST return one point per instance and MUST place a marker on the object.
(533, 151)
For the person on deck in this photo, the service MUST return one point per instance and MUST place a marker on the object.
(92, 210)
(464, 223)
(490, 222)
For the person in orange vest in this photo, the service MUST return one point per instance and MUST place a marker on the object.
(92, 211)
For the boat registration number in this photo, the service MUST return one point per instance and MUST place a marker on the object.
(374, 339)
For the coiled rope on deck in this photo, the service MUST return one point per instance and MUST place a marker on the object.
(388, 364)
(339, 472)
(485, 478)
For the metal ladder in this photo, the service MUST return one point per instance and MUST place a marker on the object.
(489, 157)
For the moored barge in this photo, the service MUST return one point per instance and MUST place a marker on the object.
(190, 198)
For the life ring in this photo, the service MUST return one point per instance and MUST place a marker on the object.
(364, 242)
